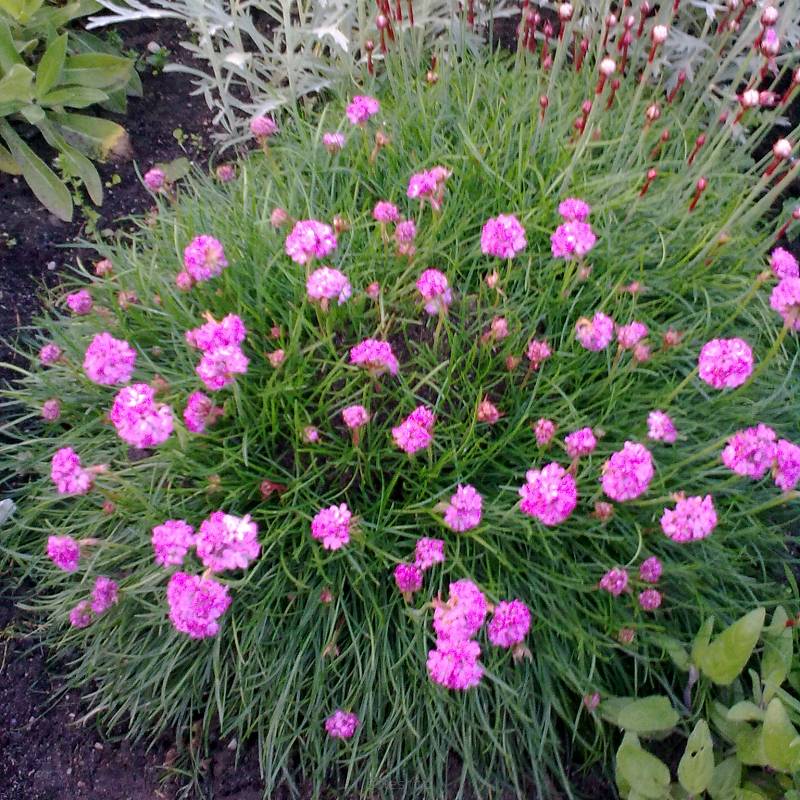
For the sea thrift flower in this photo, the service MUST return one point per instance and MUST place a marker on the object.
(415, 432)
(64, 552)
(572, 239)
(650, 570)
(499, 329)
(126, 299)
(787, 465)
(103, 267)
(51, 410)
(278, 218)
(67, 473)
(628, 336)
(595, 334)
(603, 511)
(725, 363)
(549, 494)
(333, 142)
(214, 335)
(218, 367)
(465, 509)
(310, 239)
(408, 578)
(80, 302)
(81, 615)
(538, 352)
(462, 616)
(544, 430)
(404, 234)
(224, 541)
(454, 664)
(184, 281)
(326, 284)
(626, 635)
(573, 209)
(510, 623)
(200, 412)
(385, 212)
(171, 541)
(373, 291)
(692, 518)
(310, 434)
(361, 108)
(104, 594)
(109, 361)
(785, 299)
(429, 185)
(628, 472)
(591, 701)
(503, 237)
(784, 264)
(375, 356)
(660, 427)
(751, 452)
(355, 416)
(580, 443)
(428, 552)
(139, 420)
(615, 581)
(331, 526)
(488, 412)
(341, 724)
(196, 603)
(225, 173)
(263, 127)
(204, 258)
(650, 599)
(155, 179)
(50, 354)
(432, 285)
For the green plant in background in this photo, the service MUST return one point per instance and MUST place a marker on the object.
(744, 742)
(49, 73)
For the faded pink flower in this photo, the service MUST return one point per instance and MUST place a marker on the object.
(171, 541)
(603, 511)
(787, 465)
(580, 443)
(428, 552)
(510, 623)
(404, 234)
(725, 363)
(538, 352)
(331, 526)
(660, 427)
(80, 302)
(361, 108)
(650, 570)
(591, 701)
(278, 218)
(785, 299)
(333, 142)
(784, 264)
(595, 334)
(155, 179)
(375, 356)
(50, 354)
(263, 127)
(224, 541)
(462, 616)
(574, 210)
(105, 594)
(218, 368)
(415, 432)
(225, 173)
(51, 410)
(628, 336)
(615, 581)
(200, 412)
(429, 185)
(488, 412)
(67, 473)
(385, 212)
(196, 603)
(503, 237)
(544, 430)
(310, 434)
(204, 258)
(751, 452)
(341, 724)
(572, 239)
(692, 518)
(454, 664)
(650, 599)
(432, 285)
(139, 420)
(408, 578)
(628, 472)
(109, 361)
(64, 552)
(326, 284)
(465, 509)
(355, 416)
(310, 239)
(549, 494)
(81, 615)
(183, 280)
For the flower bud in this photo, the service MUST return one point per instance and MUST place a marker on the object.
(750, 98)
(565, 12)
(278, 218)
(608, 67)
(782, 148)
(659, 34)
(769, 16)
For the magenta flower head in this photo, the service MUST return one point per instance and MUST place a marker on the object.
(204, 258)
(333, 142)
(139, 420)
(595, 334)
(104, 594)
(580, 443)
(432, 285)
(326, 284)
(628, 336)
(80, 303)
(785, 299)
(628, 472)
(214, 335)
(385, 212)
(341, 724)
(650, 599)
(310, 239)
(361, 108)
(544, 430)
(462, 616)
(196, 603)
(408, 578)
(428, 552)
(81, 615)
(171, 541)
(183, 280)
(51, 410)
(355, 416)
(332, 526)
(692, 518)
(224, 541)
(503, 237)
(650, 570)
(200, 412)
(787, 465)
(68, 474)
(574, 210)
(538, 352)
(50, 354)
(415, 432)
(725, 363)
(572, 239)
(660, 427)
(263, 127)
(155, 179)
(510, 623)
(404, 234)
(225, 173)
(549, 494)
(464, 511)
(615, 581)
(751, 452)
(64, 552)
(429, 185)
(784, 264)
(375, 356)
(109, 361)
(455, 664)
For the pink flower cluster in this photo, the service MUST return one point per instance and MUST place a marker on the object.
(785, 299)
(510, 623)
(196, 603)
(574, 237)
(310, 239)
(784, 264)
(361, 108)
(105, 594)
(595, 334)
(628, 336)
(355, 416)
(615, 581)
(263, 127)
(404, 234)
(650, 570)
(428, 552)
(50, 354)
(660, 427)
(64, 552)
(375, 356)
(503, 237)
(333, 142)
(332, 526)
(224, 542)
(429, 185)
(139, 420)
(109, 361)
(464, 510)
(408, 578)
(416, 431)
(692, 518)
(538, 351)
(80, 302)
(204, 258)
(544, 430)
(385, 212)
(200, 412)
(725, 363)
(580, 443)
(755, 451)
(325, 284)
(628, 472)
(574, 209)
(341, 724)
(549, 494)
(433, 287)
(222, 358)
(171, 541)
(68, 474)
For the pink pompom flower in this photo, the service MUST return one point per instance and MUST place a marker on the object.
(68, 474)
(200, 412)
(385, 212)
(544, 430)
(660, 427)
(538, 351)
(503, 237)
(433, 287)
(80, 302)
(462, 616)
(549, 494)
(595, 334)
(50, 354)
(155, 179)
(310, 239)
(408, 578)
(787, 465)
(455, 664)
(204, 258)
(785, 299)
(263, 127)
(574, 210)
(693, 518)
(341, 724)
(375, 356)
(332, 526)
(51, 410)
(218, 368)
(333, 142)
(355, 416)
(139, 420)
(751, 452)
(64, 552)
(212, 335)
(510, 623)
(725, 363)
(650, 570)
(326, 284)
(580, 443)
(628, 336)
(615, 581)
(429, 185)
(428, 552)
(404, 234)
(224, 541)
(361, 108)
(109, 361)
(171, 541)
(650, 599)
(105, 594)
(81, 615)
(196, 603)
(488, 412)
(572, 239)
(628, 472)
(415, 432)
(784, 264)
(464, 510)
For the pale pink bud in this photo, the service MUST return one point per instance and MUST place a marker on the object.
(565, 12)
(659, 34)
(103, 267)
(769, 16)
(653, 112)
(492, 279)
(183, 280)
(782, 148)
(750, 98)
(278, 218)
(591, 701)
(607, 67)
(374, 290)
(51, 410)
(226, 173)
(276, 357)
(310, 434)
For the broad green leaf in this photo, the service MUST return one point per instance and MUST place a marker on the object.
(701, 640)
(776, 660)
(721, 724)
(696, 767)
(7, 163)
(676, 651)
(643, 772)
(97, 70)
(43, 182)
(8, 50)
(32, 113)
(14, 8)
(117, 102)
(95, 137)
(72, 97)
(750, 794)
(611, 707)
(781, 742)
(745, 712)
(17, 84)
(750, 747)
(76, 163)
(85, 42)
(48, 71)
(726, 779)
(648, 715)
(724, 658)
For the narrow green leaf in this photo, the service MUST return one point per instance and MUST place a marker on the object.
(725, 658)
(73, 97)
(648, 715)
(95, 137)
(48, 71)
(75, 162)
(696, 767)
(8, 50)
(7, 163)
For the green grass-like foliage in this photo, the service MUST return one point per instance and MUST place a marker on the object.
(272, 672)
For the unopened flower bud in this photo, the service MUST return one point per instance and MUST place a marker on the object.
(381, 22)
(607, 67)
(183, 280)
(659, 34)
(51, 410)
(278, 218)
(225, 173)
(782, 148)
(769, 16)
(565, 12)
(653, 112)
(103, 267)
(750, 98)
(374, 290)
(276, 357)
(340, 224)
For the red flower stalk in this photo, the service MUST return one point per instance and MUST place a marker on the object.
(644, 12)
(792, 86)
(651, 176)
(611, 22)
(781, 150)
(699, 142)
(607, 69)
(470, 12)
(661, 141)
(411, 12)
(676, 89)
(700, 187)
(543, 103)
(398, 13)
(615, 84)
(794, 217)
(582, 50)
(369, 46)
